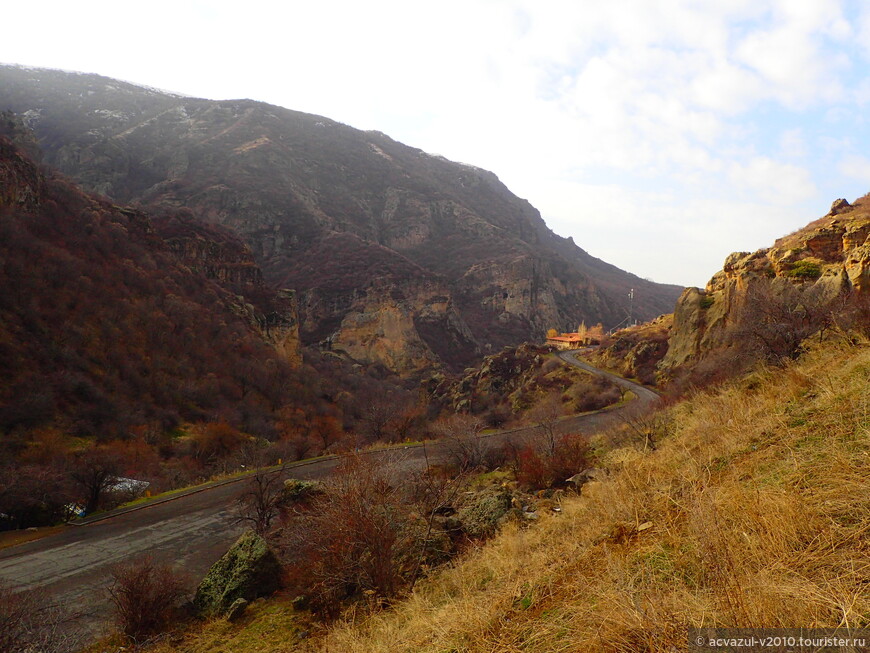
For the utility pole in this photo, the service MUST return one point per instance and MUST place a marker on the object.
(630, 305)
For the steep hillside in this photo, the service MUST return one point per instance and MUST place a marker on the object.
(111, 319)
(752, 511)
(343, 216)
(778, 296)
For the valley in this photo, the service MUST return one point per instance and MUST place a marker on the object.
(193, 531)
(190, 288)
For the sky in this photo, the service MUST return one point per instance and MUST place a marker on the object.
(661, 135)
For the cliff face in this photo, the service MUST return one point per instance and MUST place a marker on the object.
(298, 188)
(830, 255)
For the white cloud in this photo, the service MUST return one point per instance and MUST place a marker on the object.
(856, 167)
(773, 182)
(663, 111)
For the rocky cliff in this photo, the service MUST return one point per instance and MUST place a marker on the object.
(299, 188)
(219, 255)
(828, 257)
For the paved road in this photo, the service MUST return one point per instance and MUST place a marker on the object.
(193, 531)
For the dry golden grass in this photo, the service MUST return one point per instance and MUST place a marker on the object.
(753, 511)
(760, 508)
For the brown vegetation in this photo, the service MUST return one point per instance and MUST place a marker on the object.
(145, 597)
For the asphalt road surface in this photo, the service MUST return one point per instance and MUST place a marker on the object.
(192, 531)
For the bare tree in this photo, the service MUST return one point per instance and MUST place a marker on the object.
(432, 494)
(777, 316)
(460, 438)
(260, 503)
(94, 471)
(546, 414)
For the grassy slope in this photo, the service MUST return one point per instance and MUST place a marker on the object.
(760, 511)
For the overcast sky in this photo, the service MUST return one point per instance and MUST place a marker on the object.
(662, 135)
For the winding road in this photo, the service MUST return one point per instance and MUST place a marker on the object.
(193, 530)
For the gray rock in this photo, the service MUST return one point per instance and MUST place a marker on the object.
(247, 571)
(485, 513)
(589, 474)
(237, 609)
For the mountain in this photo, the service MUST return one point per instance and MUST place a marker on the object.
(774, 298)
(397, 256)
(112, 319)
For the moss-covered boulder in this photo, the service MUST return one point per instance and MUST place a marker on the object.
(297, 491)
(247, 571)
(483, 515)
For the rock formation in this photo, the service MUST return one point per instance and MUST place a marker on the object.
(247, 571)
(831, 255)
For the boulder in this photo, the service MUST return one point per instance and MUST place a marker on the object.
(589, 474)
(485, 513)
(237, 609)
(247, 571)
(297, 490)
(839, 206)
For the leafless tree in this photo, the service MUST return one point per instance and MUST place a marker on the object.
(546, 414)
(432, 494)
(94, 470)
(260, 503)
(460, 437)
(777, 316)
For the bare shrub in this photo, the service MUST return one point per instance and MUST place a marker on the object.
(29, 622)
(144, 596)
(546, 415)
(538, 468)
(355, 538)
(777, 316)
(459, 435)
(645, 426)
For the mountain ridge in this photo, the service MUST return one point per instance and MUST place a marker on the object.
(287, 182)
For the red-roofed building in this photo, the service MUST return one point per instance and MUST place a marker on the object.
(583, 337)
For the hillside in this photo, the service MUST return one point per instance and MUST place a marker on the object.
(112, 320)
(398, 256)
(751, 511)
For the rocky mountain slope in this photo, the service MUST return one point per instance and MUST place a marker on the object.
(398, 256)
(112, 319)
(819, 266)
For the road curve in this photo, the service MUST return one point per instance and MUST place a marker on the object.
(644, 395)
(194, 530)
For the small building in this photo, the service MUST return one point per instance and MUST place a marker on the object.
(583, 337)
(567, 341)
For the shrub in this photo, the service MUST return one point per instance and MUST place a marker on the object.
(144, 596)
(805, 270)
(28, 622)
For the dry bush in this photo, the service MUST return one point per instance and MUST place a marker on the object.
(30, 623)
(366, 533)
(541, 468)
(353, 538)
(145, 597)
(459, 436)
